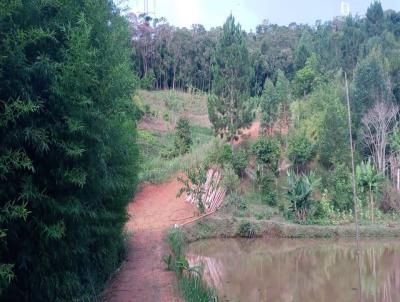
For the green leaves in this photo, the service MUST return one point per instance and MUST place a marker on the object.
(367, 176)
(14, 160)
(230, 108)
(12, 110)
(68, 155)
(183, 139)
(299, 190)
(267, 152)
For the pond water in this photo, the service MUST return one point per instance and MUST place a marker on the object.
(300, 269)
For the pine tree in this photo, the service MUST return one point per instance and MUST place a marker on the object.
(229, 108)
(269, 105)
(68, 157)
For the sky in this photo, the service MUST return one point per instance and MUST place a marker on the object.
(250, 13)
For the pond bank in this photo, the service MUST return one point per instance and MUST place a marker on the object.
(229, 227)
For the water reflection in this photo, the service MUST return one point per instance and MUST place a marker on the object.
(300, 270)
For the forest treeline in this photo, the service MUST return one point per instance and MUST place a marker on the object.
(173, 57)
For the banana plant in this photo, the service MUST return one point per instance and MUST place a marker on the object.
(369, 180)
(299, 190)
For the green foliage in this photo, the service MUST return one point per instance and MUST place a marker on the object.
(156, 146)
(267, 152)
(220, 153)
(230, 180)
(183, 136)
(330, 128)
(300, 149)
(237, 201)
(369, 181)
(339, 188)
(375, 18)
(68, 154)
(298, 192)
(246, 229)
(371, 83)
(193, 184)
(239, 161)
(229, 108)
(147, 81)
(307, 78)
(322, 120)
(190, 282)
(301, 54)
(267, 185)
(269, 105)
(282, 89)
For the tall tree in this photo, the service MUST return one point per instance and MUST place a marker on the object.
(371, 83)
(375, 18)
(269, 105)
(229, 108)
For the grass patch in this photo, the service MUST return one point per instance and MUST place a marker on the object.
(190, 281)
(155, 167)
(175, 102)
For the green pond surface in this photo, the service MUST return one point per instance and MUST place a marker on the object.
(303, 270)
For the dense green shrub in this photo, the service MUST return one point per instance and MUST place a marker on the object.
(148, 80)
(246, 229)
(267, 152)
(220, 153)
(268, 189)
(183, 136)
(68, 157)
(300, 149)
(230, 180)
(237, 201)
(339, 188)
(239, 161)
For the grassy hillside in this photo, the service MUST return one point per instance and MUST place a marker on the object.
(157, 131)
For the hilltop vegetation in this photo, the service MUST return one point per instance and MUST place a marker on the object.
(293, 78)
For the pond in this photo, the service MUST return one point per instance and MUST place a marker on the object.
(300, 269)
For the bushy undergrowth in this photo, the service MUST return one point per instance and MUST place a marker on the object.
(190, 281)
(246, 229)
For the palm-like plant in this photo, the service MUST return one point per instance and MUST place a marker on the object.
(369, 180)
(299, 190)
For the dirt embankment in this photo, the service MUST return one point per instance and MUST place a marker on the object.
(227, 227)
(142, 276)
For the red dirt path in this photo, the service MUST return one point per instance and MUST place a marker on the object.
(250, 133)
(143, 277)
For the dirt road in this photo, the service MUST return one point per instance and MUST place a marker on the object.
(143, 277)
